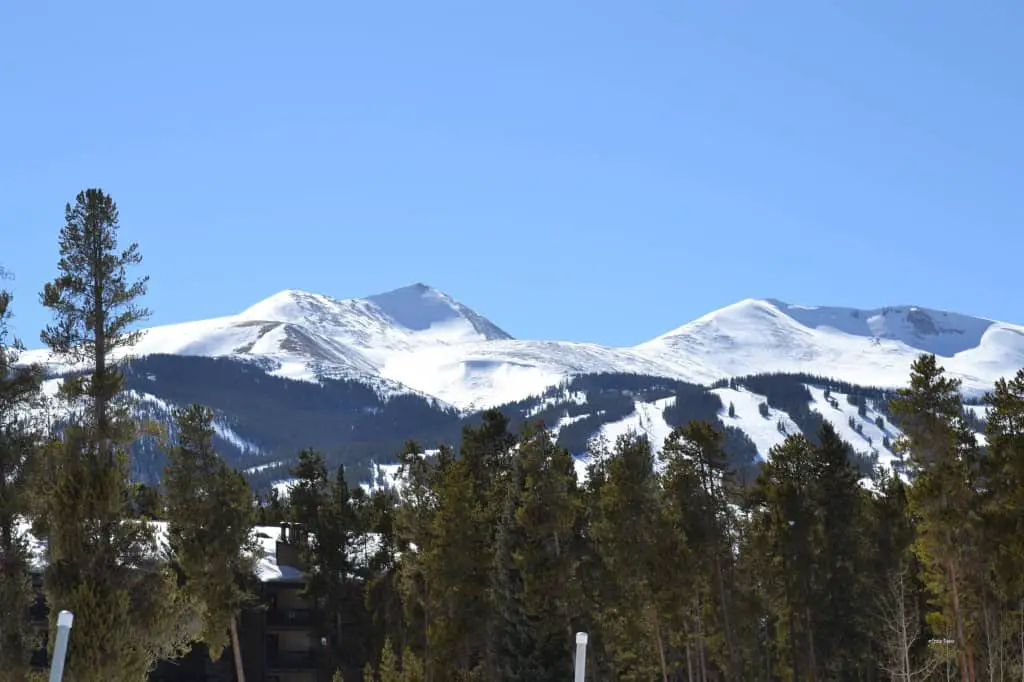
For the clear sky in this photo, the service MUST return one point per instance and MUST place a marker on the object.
(593, 170)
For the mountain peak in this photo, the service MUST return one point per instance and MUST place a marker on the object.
(418, 307)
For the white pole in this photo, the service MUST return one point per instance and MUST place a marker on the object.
(60, 647)
(581, 656)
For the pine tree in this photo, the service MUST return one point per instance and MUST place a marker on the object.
(625, 495)
(146, 502)
(1002, 523)
(698, 473)
(337, 575)
(387, 669)
(452, 568)
(943, 461)
(785, 523)
(899, 627)
(413, 669)
(842, 621)
(328, 526)
(413, 522)
(210, 519)
(383, 593)
(533, 573)
(511, 649)
(101, 566)
(19, 437)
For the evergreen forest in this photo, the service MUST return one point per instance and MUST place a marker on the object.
(486, 559)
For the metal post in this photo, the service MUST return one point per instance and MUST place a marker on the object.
(581, 656)
(60, 647)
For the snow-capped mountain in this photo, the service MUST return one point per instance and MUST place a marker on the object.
(419, 340)
(356, 378)
(865, 347)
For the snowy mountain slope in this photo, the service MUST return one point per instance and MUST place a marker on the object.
(747, 417)
(480, 375)
(419, 340)
(647, 419)
(865, 347)
(307, 336)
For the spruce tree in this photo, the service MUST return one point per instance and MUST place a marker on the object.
(452, 565)
(625, 529)
(387, 668)
(842, 623)
(383, 594)
(699, 486)
(19, 438)
(943, 461)
(786, 524)
(101, 566)
(533, 582)
(511, 648)
(210, 516)
(328, 525)
(1003, 521)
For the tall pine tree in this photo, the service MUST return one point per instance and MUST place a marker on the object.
(101, 566)
(1003, 520)
(625, 529)
(943, 460)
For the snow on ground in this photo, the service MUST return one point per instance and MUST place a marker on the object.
(384, 477)
(870, 437)
(262, 467)
(580, 464)
(284, 486)
(417, 338)
(564, 421)
(560, 398)
(221, 428)
(763, 431)
(267, 567)
(231, 436)
(646, 419)
(979, 411)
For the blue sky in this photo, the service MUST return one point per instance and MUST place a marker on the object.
(587, 170)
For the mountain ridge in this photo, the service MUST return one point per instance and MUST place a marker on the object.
(417, 339)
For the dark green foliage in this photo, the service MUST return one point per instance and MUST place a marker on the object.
(710, 565)
(810, 523)
(102, 567)
(95, 307)
(210, 516)
(328, 526)
(19, 437)
(146, 502)
(943, 458)
(512, 650)
(346, 420)
(975, 421)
